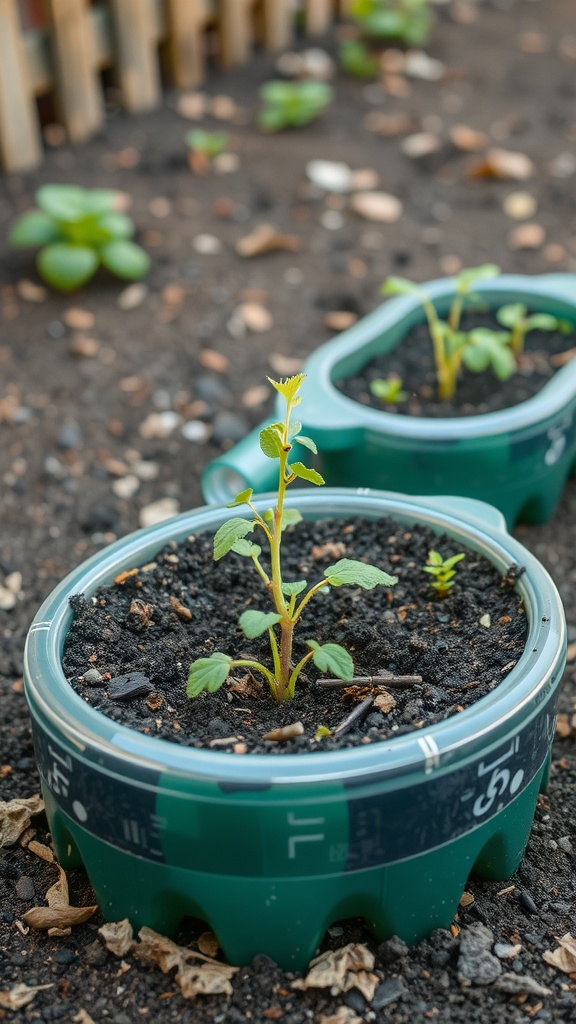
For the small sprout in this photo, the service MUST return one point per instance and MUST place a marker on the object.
(356, 59)
(442, 569)
(389, 389)
(322, 732)
(204, 147)
(516, 318)
(289, 599)
(408, 21)
(292, 104)
(79, 229)
(482, 348)
(447, 339)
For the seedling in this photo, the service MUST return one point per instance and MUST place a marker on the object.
(356, 59)
(517, 319)
(292, 104)
(447, 339)
(482, 347)
(204, 148)
(78, 229)
(408, 21)
(442, 569)
(277, 442)
(389, 389)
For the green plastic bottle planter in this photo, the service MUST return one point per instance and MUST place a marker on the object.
(271, 850)
(517, 459)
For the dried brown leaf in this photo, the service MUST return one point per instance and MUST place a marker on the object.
(205, 979)
(15, 817)
(118, 936)
(20, 995)
(57, 896)
(503, 164)
(42, 851)
(266, 238)
(564, 956)
(343, 1015)
(42, 918)
(83, 1017)
(341, 970)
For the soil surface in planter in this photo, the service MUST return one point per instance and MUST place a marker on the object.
(134, 640)
(476, 393)
(83, 454)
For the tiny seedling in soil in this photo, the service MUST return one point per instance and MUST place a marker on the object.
(443, 571)
(451, 346)
(389, 390)
(517, 319)
(356, 59)
(405, 21)
(204, 147)
(78, 230)
(292, 104)
(277, 442)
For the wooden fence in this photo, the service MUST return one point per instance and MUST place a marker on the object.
(60, 47)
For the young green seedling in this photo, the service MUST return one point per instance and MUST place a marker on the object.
(289, 599)
(442, 569)
(407, 21)
(389, 389)
(482, 347)
(447, 339)
(78, 229)
(205, 147)
(356, 59)
(292, 104)
(516, 318)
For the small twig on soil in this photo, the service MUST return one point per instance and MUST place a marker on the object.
(385, 680)
(354, 717)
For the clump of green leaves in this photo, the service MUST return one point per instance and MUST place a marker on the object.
(292, 104)
(519, 321)
(389, 390)
(78, 230)
(452, 346)
(288, 598)
(405, 21)
(356, 60)
(443, 571)
(209, 144)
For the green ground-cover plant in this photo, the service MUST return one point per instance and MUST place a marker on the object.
(443, 571)
(405, 21)
(210, 144)
(476, 349)
(292, 104)
(78, 230)
(389, 390)
(356, 60)
(289, 599)
(517, 319)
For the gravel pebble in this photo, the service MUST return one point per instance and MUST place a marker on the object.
(476, 963)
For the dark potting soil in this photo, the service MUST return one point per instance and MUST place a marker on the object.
(130, 646)
(477, 393)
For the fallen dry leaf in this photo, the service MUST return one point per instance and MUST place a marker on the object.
(564, 956)
(384, 702)
(83, 1017)
(378, 206)
(210, 977)
(15, 817)
(343, 1015)
(118, 936)
(341, 970)
(266, 238)
(205, 979)
(20, 995)
(503, 164)
(57, 896)
(42, 918)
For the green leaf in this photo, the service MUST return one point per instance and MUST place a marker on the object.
(542, 322)
(125, 259)
(99, 200)
(400, 286)
(358, 574)
(247, 548)
(435, 558)
(115, 226)
(510, 315)
(62, 202)
(503, 362)
(302, 471)
(293, 589)
(33, 228)
(294, 427)
(321, 732)
(332, 658)
(65, 266)
(307, 442)
(290, 516)
(254, 623)
(450, 562)
(271, 442)
(242, 498)
(475, 358)
(229, 533)
(288, 388)
(466, 278)
(208, 674)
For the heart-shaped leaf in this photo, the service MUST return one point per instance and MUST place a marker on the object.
(332, 658)
(253, 623)
(208, 674)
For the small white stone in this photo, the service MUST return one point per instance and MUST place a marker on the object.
(158, 511)
(126, 486)
(519, 205)
(7, 599)
(132, 296)
(486, 621)
(14, 582)
(207, 245)
(332, 220)
(377, 206)
(418, 64)
(330, 175)
(196, 431)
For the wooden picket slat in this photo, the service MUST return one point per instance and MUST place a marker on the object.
(137, 54)
(319, 14)
(78, 87)
(278, 22)
(20, 146)
(236, 31)
(186, 22)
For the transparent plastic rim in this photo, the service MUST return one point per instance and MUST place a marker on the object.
(58, 709)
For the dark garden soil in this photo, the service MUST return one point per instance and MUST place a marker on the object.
(476, 393)
(461, 645)
(111, 401)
